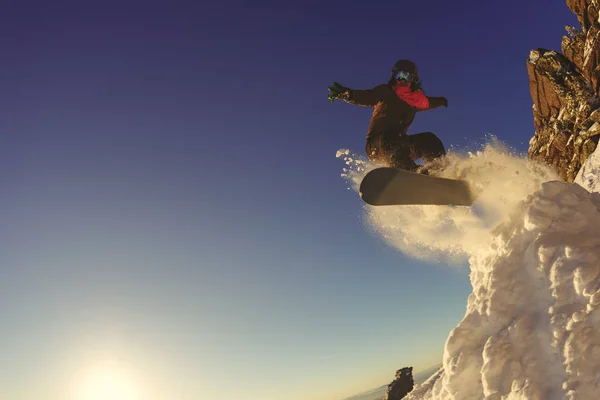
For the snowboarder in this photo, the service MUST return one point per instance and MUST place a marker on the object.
(395, 105)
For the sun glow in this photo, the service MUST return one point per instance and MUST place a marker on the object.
(107, 382)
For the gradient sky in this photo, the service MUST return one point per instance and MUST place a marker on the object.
(172, 207)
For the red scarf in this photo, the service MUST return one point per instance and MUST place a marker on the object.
(415, 99)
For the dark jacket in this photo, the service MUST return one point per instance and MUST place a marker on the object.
(391, 114)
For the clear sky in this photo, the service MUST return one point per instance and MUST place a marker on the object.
(173, 217)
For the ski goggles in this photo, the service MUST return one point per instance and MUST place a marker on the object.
(404, 75)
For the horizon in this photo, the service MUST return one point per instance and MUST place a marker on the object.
(418, 376)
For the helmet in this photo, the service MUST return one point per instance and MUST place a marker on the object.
(405, 65)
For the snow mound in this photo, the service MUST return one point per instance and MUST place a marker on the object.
(532, 324)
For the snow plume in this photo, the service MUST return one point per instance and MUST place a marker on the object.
(453, 234)
(531, 329)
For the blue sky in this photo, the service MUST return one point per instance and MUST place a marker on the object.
(173, 209)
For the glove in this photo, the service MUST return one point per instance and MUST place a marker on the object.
(336, 90)
(444, 102)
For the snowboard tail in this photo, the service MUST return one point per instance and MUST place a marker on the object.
(391, 186)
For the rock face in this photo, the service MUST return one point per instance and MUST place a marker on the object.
(565, 88)
(401, 386)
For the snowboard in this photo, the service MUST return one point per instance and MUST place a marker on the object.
(388, 186)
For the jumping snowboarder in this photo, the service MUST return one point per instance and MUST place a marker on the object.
(395, 105)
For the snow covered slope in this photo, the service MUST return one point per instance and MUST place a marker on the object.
(588, 175)
(532, 324)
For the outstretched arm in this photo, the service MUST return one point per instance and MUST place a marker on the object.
(436, 102)
(366, 97)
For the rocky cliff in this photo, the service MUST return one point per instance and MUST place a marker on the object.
(565, 88)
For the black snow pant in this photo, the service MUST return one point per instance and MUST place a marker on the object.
(394, 150)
